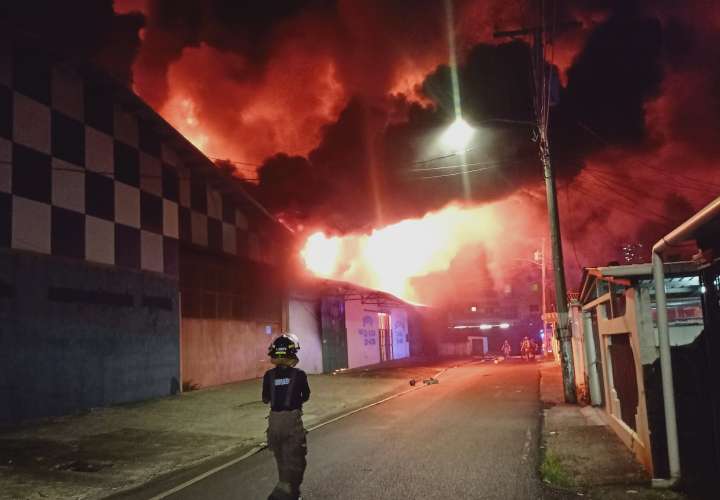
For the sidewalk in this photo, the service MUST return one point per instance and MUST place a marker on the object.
(582, 455)
(107, 450)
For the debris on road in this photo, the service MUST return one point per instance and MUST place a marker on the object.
(430, 381)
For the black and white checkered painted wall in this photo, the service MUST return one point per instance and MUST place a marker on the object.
(82, 176)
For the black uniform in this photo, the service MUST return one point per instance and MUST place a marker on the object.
(276, 383)
(286, 389)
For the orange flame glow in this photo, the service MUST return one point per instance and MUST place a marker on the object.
(390, 258)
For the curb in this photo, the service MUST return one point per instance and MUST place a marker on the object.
(263, 445)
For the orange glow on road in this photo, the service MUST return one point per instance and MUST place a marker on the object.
(389, 258)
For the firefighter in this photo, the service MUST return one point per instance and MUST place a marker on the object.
(506, 349)
(533, 348)
(286, 388)
(525, 349)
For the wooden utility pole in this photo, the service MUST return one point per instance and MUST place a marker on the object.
(541, 102)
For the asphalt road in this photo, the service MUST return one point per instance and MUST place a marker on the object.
(474, 435)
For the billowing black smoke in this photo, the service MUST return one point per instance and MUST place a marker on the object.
(80, 30)
(369, 169)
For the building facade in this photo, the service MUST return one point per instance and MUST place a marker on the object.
(617, 358)
(106, 214)
(343, 326)
(495, 313)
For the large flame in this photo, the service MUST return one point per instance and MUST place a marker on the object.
(390, 258)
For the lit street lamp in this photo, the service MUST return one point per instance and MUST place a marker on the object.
(457, 136)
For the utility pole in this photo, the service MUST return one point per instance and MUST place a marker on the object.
(541, 111)
(544, 294)
(563, 331)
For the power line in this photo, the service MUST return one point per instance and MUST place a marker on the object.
(467, 150)
(700, 182)
(473, 164)
(109, 174)
(452, 174)
(569, 211)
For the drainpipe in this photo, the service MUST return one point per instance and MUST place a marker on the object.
(666, 369)
(678, 235)
(592, 361)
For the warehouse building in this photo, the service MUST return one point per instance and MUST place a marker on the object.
(129, 264)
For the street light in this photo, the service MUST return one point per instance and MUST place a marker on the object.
(457, 136)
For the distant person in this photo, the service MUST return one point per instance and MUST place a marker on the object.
(286, 388)
(533, 348)
(525, 348)
(506, 349)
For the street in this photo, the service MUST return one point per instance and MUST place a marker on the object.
(473, 435)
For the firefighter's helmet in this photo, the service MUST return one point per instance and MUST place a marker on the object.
(285, 346)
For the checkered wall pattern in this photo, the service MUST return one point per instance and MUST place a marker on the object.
(82, 177)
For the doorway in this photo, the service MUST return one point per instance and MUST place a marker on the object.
(478, 346)
(385, 337)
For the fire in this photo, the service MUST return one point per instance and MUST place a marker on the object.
(181, 111)
(321, 254)
(389, 258)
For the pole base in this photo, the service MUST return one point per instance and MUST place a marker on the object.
(664, 484)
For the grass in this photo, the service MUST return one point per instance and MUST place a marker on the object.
(553, 472)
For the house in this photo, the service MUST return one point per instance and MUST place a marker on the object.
(129, 264)
(649, 356)
(341, 325)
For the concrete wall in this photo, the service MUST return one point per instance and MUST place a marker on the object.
(632, 323)
(454, 348)
(75, 335)
(218, 351)
(305, 323)
(362, 332)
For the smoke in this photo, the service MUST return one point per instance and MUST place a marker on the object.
(80, 30)
(332, 108)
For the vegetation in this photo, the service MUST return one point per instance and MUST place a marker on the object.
(553, 472)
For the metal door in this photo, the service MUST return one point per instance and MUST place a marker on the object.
(334, 334)
(478, 347)
(385, 337)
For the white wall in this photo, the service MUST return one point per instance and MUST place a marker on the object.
(362, 332)
(304, 321)
(399, 325)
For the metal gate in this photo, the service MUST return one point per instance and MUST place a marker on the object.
(696, 372)
(334, 334)
(385, 337)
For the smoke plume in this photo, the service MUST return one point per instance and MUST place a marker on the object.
(332, 109)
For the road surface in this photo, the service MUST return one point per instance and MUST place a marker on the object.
(474, 435)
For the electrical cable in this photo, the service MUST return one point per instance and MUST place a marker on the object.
(453, 174)
(569, 216)
(473, 164)
(700, 182)
(82, 170)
